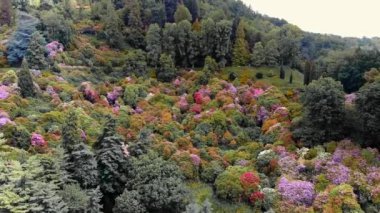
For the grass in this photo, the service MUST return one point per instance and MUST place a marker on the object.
(271, 75)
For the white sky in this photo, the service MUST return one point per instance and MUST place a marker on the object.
(355, 18)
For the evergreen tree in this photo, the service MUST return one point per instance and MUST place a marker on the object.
(240, 51)
(368, 107)
(168, 39)
(153, 44)
(323, 101)
(112, 27)
(258, 55)
(308, 72)
(36, 53)
(25, 81)
(112, 163)
(194, 51)
(5, 12)
(182, 14)
(134, 31)
(57, 27)
(160, 190)
(136, 63)
(282, 72)
(166, 71)
(222, 41)
(193, 7)
(271, 53)
(79, 161)
(183, 38)
(291, 77)
(288, 44)
(208, 35)
(170, 8)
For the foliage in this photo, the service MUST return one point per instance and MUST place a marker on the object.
(153, 44)
(166, 70)
(57, 28)
(25, 81)
(36, 52)
(136, 63)
(240, 51)
(182, 13)
(258, 55)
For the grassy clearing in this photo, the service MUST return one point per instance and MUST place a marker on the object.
(271, 75)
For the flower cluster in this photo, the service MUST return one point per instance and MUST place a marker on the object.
(53, 48)
(195, 159)
(4, 92)
(114, 95)
(37, 140)
(249, 180)
(297, 192)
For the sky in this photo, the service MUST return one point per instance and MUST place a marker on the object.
(353, 18)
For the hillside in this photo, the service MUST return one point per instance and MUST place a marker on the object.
(193, 106)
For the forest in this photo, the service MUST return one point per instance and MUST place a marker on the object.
(183, 106)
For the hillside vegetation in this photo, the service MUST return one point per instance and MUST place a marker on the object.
(194, 106)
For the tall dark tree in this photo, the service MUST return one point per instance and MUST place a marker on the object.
(240, 51)
(6, 12)
(208, 35)
(168, 39)
(166, 71)
(182, 14)
(222, 41)
(153, 44)
(323, 101)
(309, 71)
(134, 31)
(182, 41)
(25, 81)
(79, 161)
(193, 7)
(288, 44)
(36, 53)
(170, 8)
(113, 27)
(368, 107)
(282, 72)
(112, 164)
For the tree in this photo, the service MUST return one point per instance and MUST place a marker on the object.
(208, 35)
(258, 55)
(160, 190)
(222, 41)
(182, 41)
(282, 72)
(168, 39)
(153, 44)
(79, 161)
(112, 28)
(170, 8)
(6, 13)
(166, 70)
(240, 51)
(323, 101)
(288, 43)
(36, 53)
(182, 13)
(133, 21)
(271, 53)
(193, 7)
(367, 106)
(112, 163)
(57, 28)
(25, 81)
(308, 74)
(136, 63)
(291, 77)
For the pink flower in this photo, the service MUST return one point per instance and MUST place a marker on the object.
(53, 48)
(257, 92)
(83, 135)
(37, 140)
(183, 104)
(114, 95)
(195, 159)
(350, 98)
(4, 119)
(4, 92)
(177, 82)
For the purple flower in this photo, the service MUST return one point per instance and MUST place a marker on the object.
(4, 119)
(350, 98)
(231, 88)
(37, 140)
(114, 95)
(53, 48)
(337, 173)
(195, 159)
(262, 114)
(83, 135)
(4, 94)
(297, 192)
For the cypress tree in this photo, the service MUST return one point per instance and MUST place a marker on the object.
(282, 72)
(291, 77)
(25, 81)
(36, 53)
(153, 44)
(240, 51)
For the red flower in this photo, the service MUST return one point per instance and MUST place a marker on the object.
(249, 180)
(198, 97)
(256, 196)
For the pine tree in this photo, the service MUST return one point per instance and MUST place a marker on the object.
(291, 77)
(240, 51)
(170, 8)
(153, 44)
(112, 163)
(166, 71)
(309, 71)
(79, 161)
(222, 41)
(36, 53)
(168, 39)
(183, 38)
(182, 14)
(282, 72)
(112, 27)
(5, 12)
(25, 81)
(208, 35)
(134, 31)
(193, 7)
(258, 55)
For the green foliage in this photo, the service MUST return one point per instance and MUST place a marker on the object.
(240, 51)
(156, 184)
(136, 63)
(57, 28)
(182, 13)
(129, 202)
(112, 27)
(258, 55)
(76, 197)
(210, 65)
(153, 44)
(228, 184)
(36, 53)
(166, 71)
(25, 81)
(369, 112)
(271, 53)
(324, 104)
(132, 93)
(210, 171)
(70, 132)
(6, 13)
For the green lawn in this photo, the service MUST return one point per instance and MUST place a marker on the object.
(271, 75)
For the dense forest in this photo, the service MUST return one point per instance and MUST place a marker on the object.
(194, 106)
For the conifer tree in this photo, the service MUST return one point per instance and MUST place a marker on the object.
(25, 81)
(282, 72)
(291, 77)
(182, 14)
(5, 12)
(193, 7)
(170, 8)
(222, 41)
(36, 53)
(153, 44)
(134, 31)
(271, 53)
(112, 27)
(168, 39)
(258, 56)
(240, 51)
(166, 71)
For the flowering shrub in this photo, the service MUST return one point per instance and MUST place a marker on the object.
(297, 192)
(337, 173)
(4, 94)
(256, 197)
(114, 95)
(249, 180)
(53, 48)
(4, 119)
(37, 140)
(88, 92)
(195, 159)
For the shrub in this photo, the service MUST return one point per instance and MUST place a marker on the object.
(259, 75)
(135, 63)
(297, 192)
